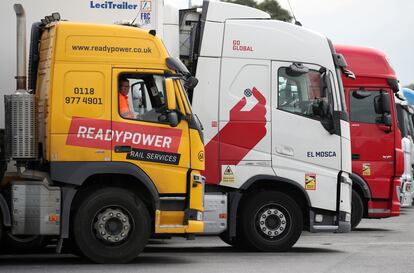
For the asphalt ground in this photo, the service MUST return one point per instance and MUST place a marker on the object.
(378, 245)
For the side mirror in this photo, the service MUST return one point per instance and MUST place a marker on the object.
(349, 74)
(386, 103)
(387, 120)
(382, 104)
(169, 90)
(387, 125)
(326, 116)
(173, 118)
(191, 82)
(296, 69)
(136, 99)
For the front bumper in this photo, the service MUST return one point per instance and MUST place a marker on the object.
(327, 222)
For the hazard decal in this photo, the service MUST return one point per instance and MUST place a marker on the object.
(366, 169)
(310, 181)
(228, 173)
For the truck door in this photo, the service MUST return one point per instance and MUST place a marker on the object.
(141, 133)
(302, 149)
(372, 141)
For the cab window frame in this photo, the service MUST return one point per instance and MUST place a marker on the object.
(137, 76)
(328, 96)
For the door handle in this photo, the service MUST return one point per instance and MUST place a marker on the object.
(284, 150)
(356, 156)
(122, 149)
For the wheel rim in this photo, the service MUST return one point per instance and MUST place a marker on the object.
(272, 221)
(112, 225)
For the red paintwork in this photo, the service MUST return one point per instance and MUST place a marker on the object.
(376, 147)
(232, 143)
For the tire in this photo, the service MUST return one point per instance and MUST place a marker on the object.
(1, 229)
(357, 210)
(22, 243)
(112, 225)
(271, 221)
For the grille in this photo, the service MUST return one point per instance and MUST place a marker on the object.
(21, 126)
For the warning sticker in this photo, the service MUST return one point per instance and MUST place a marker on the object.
(310, 181)
(366, 169)
(228, 173)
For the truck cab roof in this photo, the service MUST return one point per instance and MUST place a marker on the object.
(367, 62)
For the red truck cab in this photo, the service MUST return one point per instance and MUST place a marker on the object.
(377, 157)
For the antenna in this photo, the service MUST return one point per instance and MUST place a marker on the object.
(133, 21)
(293, 14)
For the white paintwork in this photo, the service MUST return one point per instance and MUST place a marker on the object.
(406, 192)
(221, 11)
(171, 30)
(304, 137)
(212, 40)
(250, 52)
(206, 105)
(346, 147)
(406, 178)
(276, 40)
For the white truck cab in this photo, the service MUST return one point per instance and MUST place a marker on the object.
(278, 154)
(405, 123)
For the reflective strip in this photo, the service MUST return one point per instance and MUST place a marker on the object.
(378, 211)
(325, 227)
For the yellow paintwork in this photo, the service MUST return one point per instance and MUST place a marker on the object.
(178, 91)
(197, 151)
(167, 178)
(169, 89)
(196, 190)
(171, 222)
(77, 79)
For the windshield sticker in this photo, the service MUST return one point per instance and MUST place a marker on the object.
(310, 181)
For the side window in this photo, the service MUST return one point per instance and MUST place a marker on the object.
(142, 97)
(299, 94)
(409, 123)
(362, 107)
(400, 120)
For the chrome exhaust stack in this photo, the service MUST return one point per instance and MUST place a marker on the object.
(21, 77)
(20, 107)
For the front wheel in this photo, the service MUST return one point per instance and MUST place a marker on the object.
(271, 221)
(1, 228)
(357, 210)
(111, 225)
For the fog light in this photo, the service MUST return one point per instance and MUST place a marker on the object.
(318, 218)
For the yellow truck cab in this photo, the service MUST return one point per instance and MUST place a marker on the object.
(111, 151)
